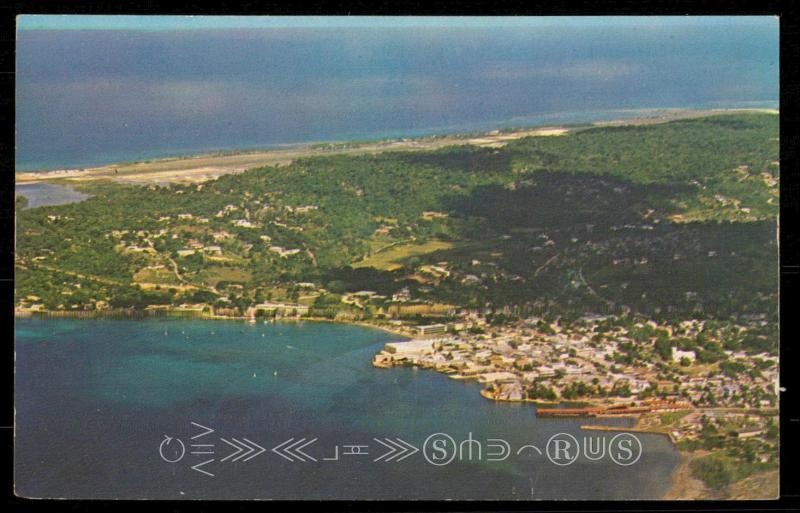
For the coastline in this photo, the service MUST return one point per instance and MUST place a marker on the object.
(141, 315)
(684, 486)
(759, 486)
(204, 166)
(362, 324)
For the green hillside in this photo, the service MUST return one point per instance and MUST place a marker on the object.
(669, 219)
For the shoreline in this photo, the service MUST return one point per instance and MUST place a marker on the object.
(143, 315)
(362, 324)
(204, 166)
(683, 486)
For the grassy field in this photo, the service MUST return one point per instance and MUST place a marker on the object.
(434, 309)
(393, 258)
(213, 275)
(160, 276)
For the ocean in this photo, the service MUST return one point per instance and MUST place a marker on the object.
(137, 409)
(92, 97)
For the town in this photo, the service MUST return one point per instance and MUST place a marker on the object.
(595, 361)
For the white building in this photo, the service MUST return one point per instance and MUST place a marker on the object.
(410, 348)
(678, 355)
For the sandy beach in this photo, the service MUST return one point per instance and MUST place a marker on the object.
(200, 168)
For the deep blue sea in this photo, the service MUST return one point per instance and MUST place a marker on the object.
(90, 97)
(96, 399)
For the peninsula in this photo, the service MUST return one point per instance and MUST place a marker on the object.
(202, 167)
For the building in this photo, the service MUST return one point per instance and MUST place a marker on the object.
(678, 355)
(189, 310)
(749, 433)
(402, 295)
(431, 329)
(497, 377)
(283, 251)
(278, 309)
(410, 348)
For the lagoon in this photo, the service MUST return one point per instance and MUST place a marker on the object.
(45, 194)
(96, 398)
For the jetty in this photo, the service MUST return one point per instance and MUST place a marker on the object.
(616, 410)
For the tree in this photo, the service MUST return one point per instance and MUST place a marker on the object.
(663, 348)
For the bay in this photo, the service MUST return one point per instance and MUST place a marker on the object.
(95, 399)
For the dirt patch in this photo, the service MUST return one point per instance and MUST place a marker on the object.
(684, 485)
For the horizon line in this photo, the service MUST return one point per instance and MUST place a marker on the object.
(33, 22)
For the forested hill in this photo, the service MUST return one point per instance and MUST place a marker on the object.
(667, 219)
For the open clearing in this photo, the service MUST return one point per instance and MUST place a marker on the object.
(393, 257)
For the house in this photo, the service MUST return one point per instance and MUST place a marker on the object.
(132, 249)
(228, 208)
(304, 209)
(545, 371)
(470, 279)
(283, 252)
(678, 355)
(749, 433)
(436, 270)
(402, 295)
(432, 214)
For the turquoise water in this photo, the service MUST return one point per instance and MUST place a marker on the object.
(95, 398)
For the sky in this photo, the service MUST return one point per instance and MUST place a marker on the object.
(98, 89)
